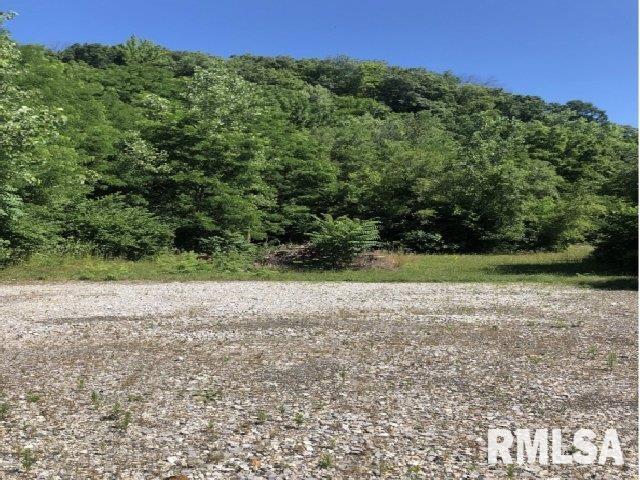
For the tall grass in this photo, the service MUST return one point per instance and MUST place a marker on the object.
(570, 267)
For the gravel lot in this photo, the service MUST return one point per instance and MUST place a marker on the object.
(295, 380)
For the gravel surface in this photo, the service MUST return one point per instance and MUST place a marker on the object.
(300, 380)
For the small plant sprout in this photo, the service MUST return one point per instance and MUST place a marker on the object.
(559, 323)
(4, 410)
(27, 458)
(95, 397)
(511, 471)
(535, 359)
(612, 360)
(124, 421)
(592, 351)
(326, 461)
(298, 418)
(384, 467)
(114, 414)
(262, 417)
(413, 471)
(209, 395)
(343, 374)
(81, 383)
(33, 397)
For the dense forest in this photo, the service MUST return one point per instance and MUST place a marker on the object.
(134, 149)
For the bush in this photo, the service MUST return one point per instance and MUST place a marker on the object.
(616, 241)
(119, 230)
(337, 242)
(419, 241)
(230, 242)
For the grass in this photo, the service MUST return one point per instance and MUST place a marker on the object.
(27, 458)
(326, 461)
(33, 397)
(4, 410)
(570, 267)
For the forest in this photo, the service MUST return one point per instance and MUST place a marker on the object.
(130, 150)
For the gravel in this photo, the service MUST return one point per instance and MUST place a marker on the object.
(225, 380)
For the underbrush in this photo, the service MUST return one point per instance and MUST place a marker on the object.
(573, 266)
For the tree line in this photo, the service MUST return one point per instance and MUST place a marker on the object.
(132, 149)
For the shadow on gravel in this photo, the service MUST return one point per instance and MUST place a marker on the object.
(620, 279)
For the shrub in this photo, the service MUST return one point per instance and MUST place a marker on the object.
(616, 240)
(118, 229)
(230, 242)
(337, 242)
(419, 241)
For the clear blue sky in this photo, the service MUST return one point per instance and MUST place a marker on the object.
(557, 49)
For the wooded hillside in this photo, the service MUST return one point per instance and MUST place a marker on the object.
(132, 149)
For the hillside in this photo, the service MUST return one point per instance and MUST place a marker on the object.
(132, 149)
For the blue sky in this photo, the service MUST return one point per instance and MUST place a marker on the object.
(557, 49)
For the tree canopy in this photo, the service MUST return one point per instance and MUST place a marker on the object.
(133, 148)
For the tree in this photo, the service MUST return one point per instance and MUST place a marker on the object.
(38, 170)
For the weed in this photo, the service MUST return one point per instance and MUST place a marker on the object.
(384, 467)
(326, 461)
(262, 417)
(114, 414)
(95, 398)
(27, 458)
(511, 471)
(124, 421)
(592, 351)
(560, 324)
(4, 410)
(535, 359)
(81, 383)
(612, 360)
(209, 395)
(33, 397)
(211, 429)
(413, 471)
(298, 418)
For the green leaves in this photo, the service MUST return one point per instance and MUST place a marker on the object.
(337, 242)
(616, 239)
(133, 148)
(118, 230)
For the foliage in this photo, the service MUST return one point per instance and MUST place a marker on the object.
(420, 241)
(208, 155)
(616, 240)
(117, 229)
(337, 242)
(571, 267)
